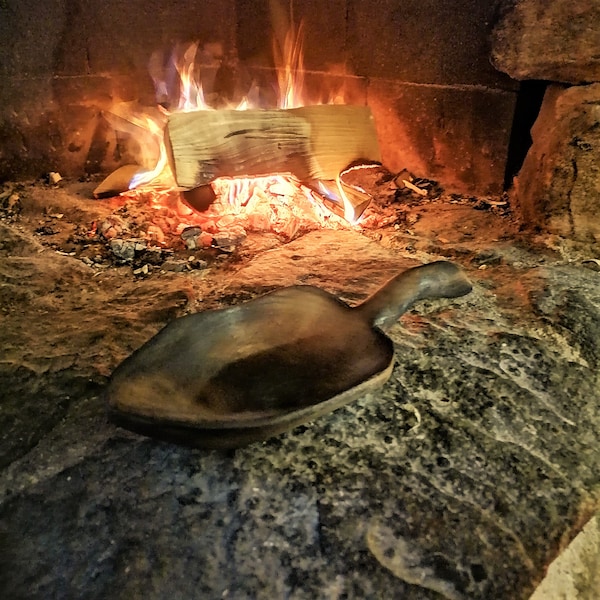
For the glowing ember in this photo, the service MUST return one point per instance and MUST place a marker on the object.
(276, 203)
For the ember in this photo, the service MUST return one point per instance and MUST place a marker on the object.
(277, 203)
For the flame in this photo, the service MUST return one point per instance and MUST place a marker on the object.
(347, 200)
(278, 203)
(289, 61)
(192, 94)
(161, 173)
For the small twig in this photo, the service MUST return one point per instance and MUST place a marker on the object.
(414, 188)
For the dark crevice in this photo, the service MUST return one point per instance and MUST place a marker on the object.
(569, 192)
(527, 109)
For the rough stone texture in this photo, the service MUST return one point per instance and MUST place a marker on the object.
(424, 41)
(558, 187)
(63, 63)
(556, 41)
(101, 51)
(457, 136)
(68, 37)
(464, 476)
(57, 124)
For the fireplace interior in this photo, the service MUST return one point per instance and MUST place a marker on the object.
(465, 474)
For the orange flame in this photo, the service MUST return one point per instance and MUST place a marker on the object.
(278, 203)
(290, 69)
(191, 95)
(161, 173)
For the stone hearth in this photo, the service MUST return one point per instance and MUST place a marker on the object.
(463, 477)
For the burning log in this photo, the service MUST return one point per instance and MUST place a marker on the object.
(118, 181)
(334, 192)
(312, 142)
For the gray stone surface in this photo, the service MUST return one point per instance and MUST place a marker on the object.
(558, 187)
(424, 41)
(463, 477)
(556, 41)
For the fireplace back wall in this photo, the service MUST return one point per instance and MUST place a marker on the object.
(441, 109)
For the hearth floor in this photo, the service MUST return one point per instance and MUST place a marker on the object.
(462, 477)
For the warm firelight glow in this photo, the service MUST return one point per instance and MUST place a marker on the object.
(278, 203)
(161, 173)
(191, 92)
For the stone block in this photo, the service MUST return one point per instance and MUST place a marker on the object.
(57, 123)
(556, 41)
(30, 33)
(125, 43)
(453, 134)
(76, 38)
(324, 31)
(423, 41)
(253, 17)
(346, 89)
(63, 63)
(558, 187)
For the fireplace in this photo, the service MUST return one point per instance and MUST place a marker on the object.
(464, 475)
(441, 109)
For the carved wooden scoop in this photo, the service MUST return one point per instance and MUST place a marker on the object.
(225, 378)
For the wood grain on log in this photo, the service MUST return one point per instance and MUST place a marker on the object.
(312, 142)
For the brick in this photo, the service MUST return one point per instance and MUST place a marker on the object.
(456, 135)
(424, 41)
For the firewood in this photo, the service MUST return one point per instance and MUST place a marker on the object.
(331, 193)
(312, 142)
(118, 181)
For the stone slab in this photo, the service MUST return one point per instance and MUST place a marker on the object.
(554, 41)
(465, 475)
(558, 187)
(424, 41)
(453, 134)
(57, 124)
(63, 37)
